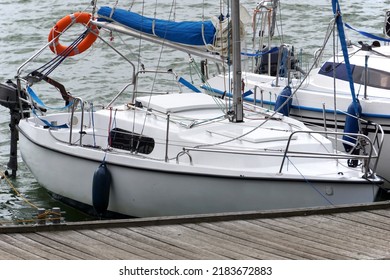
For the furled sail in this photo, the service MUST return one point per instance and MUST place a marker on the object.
(196, 33)
(210, 36)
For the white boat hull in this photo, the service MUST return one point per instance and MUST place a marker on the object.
(141, 191)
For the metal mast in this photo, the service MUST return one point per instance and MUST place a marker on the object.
(237, 95)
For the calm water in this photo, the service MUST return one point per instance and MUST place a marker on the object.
(24, 27)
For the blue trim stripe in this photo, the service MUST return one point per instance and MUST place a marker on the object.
(302, 108)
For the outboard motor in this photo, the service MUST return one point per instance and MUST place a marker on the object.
(15, 99)
(264, 67)
(9, 98)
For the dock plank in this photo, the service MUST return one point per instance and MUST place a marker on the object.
(263, 240)
(196, 240)
(4, 255)
(347, 232)
(323, 240)
(382, 221)
(238, 242)
(62, 248)
(68, 242)
(268, 249)
(372, 225)
(212, 243)
(79, 241)
(292, 242)
(359, 228)
(132, 246)
(382, 212)
(177, 246)
(342, 232)
(113, 248)
(151, 245)
(26, 244)
(19, 253)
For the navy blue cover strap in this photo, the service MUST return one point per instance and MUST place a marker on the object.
(369, 35)
(340, 28)
(274, 49)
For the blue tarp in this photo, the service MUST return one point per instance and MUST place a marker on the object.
(186, 32)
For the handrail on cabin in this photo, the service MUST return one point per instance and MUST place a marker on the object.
(366, 158)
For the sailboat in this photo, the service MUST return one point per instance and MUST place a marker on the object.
(322, 97)
(176, 153)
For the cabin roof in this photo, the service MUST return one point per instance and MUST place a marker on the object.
(173, 103)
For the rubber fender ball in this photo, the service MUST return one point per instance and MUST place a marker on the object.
(283, 97)
(101, 188)
(351, 125)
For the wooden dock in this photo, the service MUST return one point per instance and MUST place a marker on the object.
(350, 232)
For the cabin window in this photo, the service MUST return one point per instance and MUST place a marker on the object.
(376, 78)
(134, 142)
(340, 69)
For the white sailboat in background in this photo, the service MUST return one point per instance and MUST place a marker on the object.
(179, 153)
(322, 97)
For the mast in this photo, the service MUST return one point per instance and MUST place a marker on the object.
(237, 95)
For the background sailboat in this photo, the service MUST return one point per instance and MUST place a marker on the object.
(317, 98)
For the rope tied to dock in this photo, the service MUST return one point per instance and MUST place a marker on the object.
(47, 215)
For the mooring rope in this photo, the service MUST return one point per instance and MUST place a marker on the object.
(43, 215)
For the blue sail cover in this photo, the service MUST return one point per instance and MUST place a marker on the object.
(186, 32)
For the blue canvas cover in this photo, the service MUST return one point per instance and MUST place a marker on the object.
(186, 32)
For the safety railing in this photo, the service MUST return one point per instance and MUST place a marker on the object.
(366, 158)
(156, 72)
(76, 101)
(360, 139)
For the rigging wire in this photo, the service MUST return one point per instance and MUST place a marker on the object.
(158, 66)
(307, 181)
(281, 33)
(93, 124)
(50, 66)
(332, 23)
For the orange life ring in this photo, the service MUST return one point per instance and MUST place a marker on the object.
(65, 22)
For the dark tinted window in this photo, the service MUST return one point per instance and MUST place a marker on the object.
(126, 140)
(376, 78)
